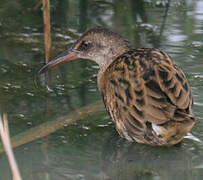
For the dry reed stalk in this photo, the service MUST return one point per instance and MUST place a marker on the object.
(47, 29)
(7, 147)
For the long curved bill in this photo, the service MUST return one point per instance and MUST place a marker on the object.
(66, 56)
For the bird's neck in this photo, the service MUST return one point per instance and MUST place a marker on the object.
(107, 60)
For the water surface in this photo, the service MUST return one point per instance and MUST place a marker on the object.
(90, 148)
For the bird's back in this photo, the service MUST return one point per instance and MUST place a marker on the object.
(148, 97)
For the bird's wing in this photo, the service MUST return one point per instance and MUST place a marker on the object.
(168, 93)
(146, 88)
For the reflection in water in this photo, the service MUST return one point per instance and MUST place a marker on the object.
(125, 160)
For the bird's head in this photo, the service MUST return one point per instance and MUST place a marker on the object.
(98, 44)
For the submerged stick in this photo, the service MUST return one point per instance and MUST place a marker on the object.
(8, 149)
(39, 3)
(51, 126)
(47, 29)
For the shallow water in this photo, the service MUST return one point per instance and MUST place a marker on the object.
(90, 148)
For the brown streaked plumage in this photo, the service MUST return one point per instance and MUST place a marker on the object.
(145, 92)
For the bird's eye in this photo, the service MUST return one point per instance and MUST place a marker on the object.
(84, 45)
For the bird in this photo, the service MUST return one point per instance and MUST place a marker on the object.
(144, 91)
